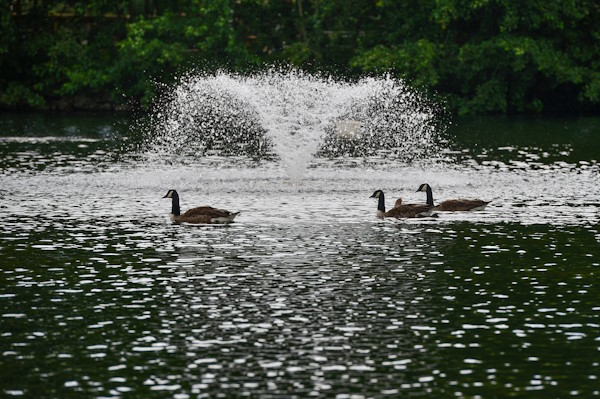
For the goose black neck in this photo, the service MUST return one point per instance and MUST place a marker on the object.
(175, 210)
(381, 204)
(429, 196)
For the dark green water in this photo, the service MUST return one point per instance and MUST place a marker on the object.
(308, 293)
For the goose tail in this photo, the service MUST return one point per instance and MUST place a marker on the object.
(232, 215)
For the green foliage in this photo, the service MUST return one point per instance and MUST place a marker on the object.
(484, 56)
(416, 61)
(17, 94)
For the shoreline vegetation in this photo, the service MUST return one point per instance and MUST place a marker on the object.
(486, 57)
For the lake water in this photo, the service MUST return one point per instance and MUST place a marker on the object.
(308, 293)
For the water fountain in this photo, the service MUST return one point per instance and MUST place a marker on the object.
(292, 116)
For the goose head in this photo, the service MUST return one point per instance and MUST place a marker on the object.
(423, 188)
(171, 194)
(175, 210)
(380, 203)
(377, 194)
(427, 189)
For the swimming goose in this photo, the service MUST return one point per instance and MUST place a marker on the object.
(400, 211)
(201, 214)
(453, 205)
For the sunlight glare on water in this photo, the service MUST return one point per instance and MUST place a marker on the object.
(308, 293)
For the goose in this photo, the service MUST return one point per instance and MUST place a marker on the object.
(399, 210)
(453, 205)
(201, 214)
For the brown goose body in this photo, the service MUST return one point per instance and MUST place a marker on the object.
(199, 215)
(409, 211)
(205, 215)
(461, 205)
(400, 210)
(453, 205)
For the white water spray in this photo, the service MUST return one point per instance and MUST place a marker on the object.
(295, 115)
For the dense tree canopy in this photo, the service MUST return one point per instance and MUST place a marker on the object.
(484, 56)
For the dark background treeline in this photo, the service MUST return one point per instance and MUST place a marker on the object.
(480, 56)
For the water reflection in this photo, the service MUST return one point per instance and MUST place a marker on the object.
(308, 294)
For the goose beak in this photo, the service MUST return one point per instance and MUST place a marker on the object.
(373, 196)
